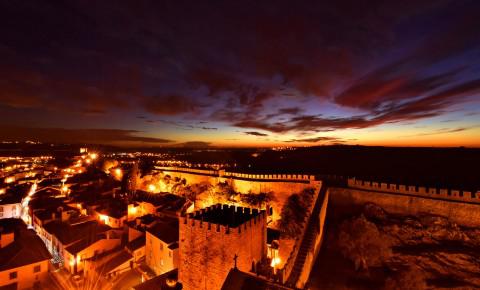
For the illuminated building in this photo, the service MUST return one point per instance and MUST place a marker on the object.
(24, 260)
(161, 246)
(216, 239)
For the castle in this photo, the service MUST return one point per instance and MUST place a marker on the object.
(216, 239)
(219, 238)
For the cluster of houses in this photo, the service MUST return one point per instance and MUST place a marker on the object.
(67, 227)
(78, 225)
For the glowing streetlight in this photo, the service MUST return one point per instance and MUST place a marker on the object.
(151, 187)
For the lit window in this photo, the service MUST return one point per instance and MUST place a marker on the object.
(13, 275)
(36, 269)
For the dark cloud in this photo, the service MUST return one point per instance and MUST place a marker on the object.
(61, 135)
(252, 65)
(170, 105)
(443, 131)
(254, 133)
(419, 108)
(316, 140)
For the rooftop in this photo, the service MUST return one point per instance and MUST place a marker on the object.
(68, 234)
(160, 282)
(145, 220)
(27, 248)
(136, 243)
(225, 215)
(116, 261)
(84, 243)
(166, 230)
(10, 199)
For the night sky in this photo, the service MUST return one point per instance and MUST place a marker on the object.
(241, 73)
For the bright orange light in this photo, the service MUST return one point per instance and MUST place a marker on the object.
(103, 218)
(64, 188)
(133, 210)
(88, 161)
(275, 261)
(151, 187)
(72, 262)
(9, 179)
(93, 156)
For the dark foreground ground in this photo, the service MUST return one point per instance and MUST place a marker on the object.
(429, 252)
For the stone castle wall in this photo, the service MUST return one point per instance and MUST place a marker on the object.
(349, 201)
(207, 250)
(282, 185)
(247, 183)
(446, 194)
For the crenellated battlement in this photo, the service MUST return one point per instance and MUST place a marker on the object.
(188, 170)
(227, 174)
(225, 218)
(441, 193)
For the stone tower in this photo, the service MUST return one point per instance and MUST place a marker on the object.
(215, 239)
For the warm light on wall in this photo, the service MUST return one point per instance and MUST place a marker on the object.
(275, 262)
(152, 188)
(9, 179)
(132, 210)
(103, 218)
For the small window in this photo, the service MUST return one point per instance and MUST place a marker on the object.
(170, 254)
(13, 275)
(36, 269)
(1, 208)
(161, 247)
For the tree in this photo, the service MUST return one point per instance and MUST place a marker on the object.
(360, 241)
(258, 200)
(294, 212)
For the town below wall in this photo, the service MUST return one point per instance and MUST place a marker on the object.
(348, 201)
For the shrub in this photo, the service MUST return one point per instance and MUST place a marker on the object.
(294, 212)
(361, 242)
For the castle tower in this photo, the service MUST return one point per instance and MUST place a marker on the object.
(215, 239)
(132, 180)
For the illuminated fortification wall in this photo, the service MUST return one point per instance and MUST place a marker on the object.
(207, 248)
(245, 183)
(282, 185)
(460, 207)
